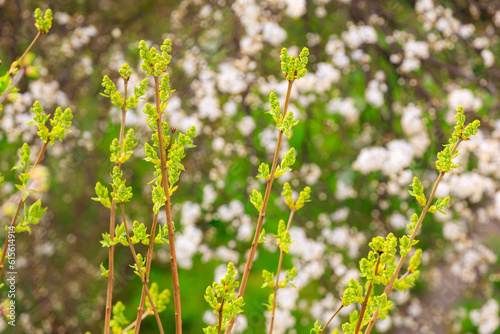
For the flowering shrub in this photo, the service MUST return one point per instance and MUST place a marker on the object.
(378, 101)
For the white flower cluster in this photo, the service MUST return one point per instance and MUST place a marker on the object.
(413, 126)
(374, 93)
(391, 160)
(344, 107)
(486, 318)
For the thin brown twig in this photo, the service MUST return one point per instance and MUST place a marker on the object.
(390, 285)
(276, 285)
(149, 258)
(262, 213)
(20, 204)
(220, 316)
(133, 324)
(6, 92)
(333, 316)
(168, 213)
(365, 301)
(112, 220)
(139, 270)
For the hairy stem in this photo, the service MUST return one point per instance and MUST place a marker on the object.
(276, 285)
(390, 285)
(20, 204)
(168, 213)
(139, 270)
(333, 316)
(112, 219)
(262, 213)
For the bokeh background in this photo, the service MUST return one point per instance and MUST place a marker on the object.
(377, 104)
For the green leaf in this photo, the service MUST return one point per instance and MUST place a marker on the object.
(104, 271)
(264, 171)
(294, 68)
(43, 23)
(256, 200)
(287, 124)
(418, 191)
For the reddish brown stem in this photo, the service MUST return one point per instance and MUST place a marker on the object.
(276, 285)
(365, 301)
(139, 270)
(220, 316)
(112, 220)
(262, 213)
(168, 213)
(333, 316)
(20, 204)
(390, 285)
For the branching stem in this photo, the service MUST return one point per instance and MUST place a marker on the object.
(168, 213)
(149, 258)
(390, 285)
(139, 270)
(276, 285)
(20, 204)
(333, 316)
(365, 301)
(262, 213)
(112, 220)
(11, 70)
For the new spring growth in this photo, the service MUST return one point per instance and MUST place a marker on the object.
(121, 154)
(119, 321)
(283, 124)
(140, 235)
(381, 255)
(31, 217)
(288, 159)
(222, 299)
(2, 179)
(444, 162)
(283, 236)
(60, 122)
(43, 22)
(154, 62)
(304, 196)
(175, 155)
(142, 263)
(24, 164)
(121, 193)
(116, 97)
(286, 162)
(294, 68)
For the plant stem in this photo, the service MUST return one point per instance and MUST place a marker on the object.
(168, 213)
(37, 37)
(262, 213)
(112, 220)
(132, 325)
(276, 285)
(365, 301)
(139, 270)
(149, 258)
(333, 316)
(220, 316)
(390, 285)
(11, 69)
(20, 204)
